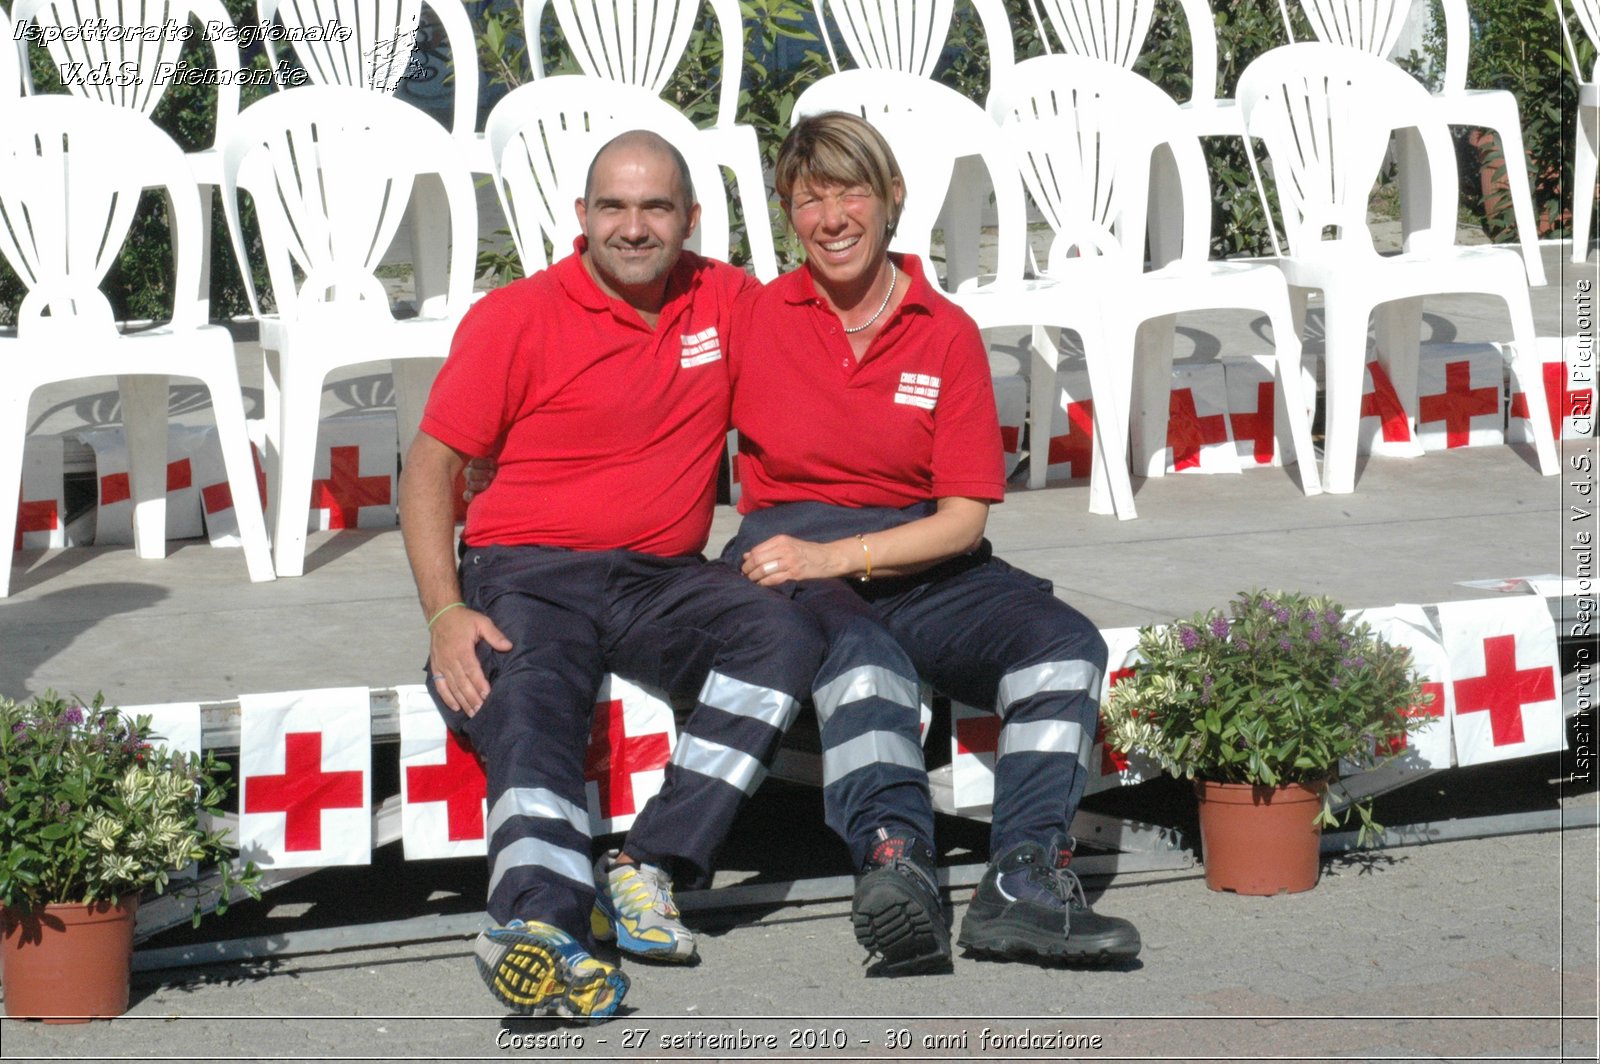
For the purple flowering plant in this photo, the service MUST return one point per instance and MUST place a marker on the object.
(1279, 688)
(92, 809)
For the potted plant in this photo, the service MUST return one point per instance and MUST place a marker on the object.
(92, 815)
(1260, 706)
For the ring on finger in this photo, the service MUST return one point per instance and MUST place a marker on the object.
(770, 567)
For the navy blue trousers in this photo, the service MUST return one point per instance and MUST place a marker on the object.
(979, 630)
(691, 628)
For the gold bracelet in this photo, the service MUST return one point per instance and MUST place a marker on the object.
(868, 552)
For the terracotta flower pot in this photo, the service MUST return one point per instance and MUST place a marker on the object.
(1260, 840)
(68, 963)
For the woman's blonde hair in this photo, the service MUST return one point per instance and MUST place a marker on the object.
(838, 148)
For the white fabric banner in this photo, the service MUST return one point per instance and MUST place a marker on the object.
(1199, 439)
(1459, 392)
(1011, 403)
(1409, 626)
(1504, 678)
(353, 481)
(1110, 768)
(442, 786)
(42, 509)
(630, 743)
(1569, 387)
(216, 494)
(1385, 427)
(305, 781)
(1253, 415)
(1070, 449)
(114, 518)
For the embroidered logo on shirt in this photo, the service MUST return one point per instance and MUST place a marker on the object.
(918, 389)
(700, 348)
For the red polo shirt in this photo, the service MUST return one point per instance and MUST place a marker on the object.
(913, 420)
(608, 433)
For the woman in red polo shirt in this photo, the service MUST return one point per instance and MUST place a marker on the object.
(869, 455)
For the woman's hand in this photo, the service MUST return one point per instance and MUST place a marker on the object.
(784, 558)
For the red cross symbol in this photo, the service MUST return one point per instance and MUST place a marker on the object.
(40, 516)
(219, 497)
(345, 490)
(1258, 427)
(1503, 689)
(1458, 404)
(459, 783)
(303, 791)
(1113, 760)
(1434, 708)
(1562, 403)
(1188, 432)
(1076, 448)
(115, 487)
(614, 756)
(979, 734)
(1383, 402)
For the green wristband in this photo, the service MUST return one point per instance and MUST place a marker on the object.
(442, 612)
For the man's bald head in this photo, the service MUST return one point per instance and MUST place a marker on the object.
(643, 140)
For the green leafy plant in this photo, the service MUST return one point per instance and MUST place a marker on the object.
(1282, 688)
(90, 809)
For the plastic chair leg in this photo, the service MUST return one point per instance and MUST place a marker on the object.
(1399, 339)
(144, 423)
(1530, 378)
(1041, 405)
(1294, 433)
(300, 407)
(1585, 170)
(1507, 128)
(234, 441)
(428, 220)
(1345, 328)
(1110, 378)
(1152, 393)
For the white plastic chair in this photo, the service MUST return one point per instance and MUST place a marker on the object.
(1083, 132)
(378, 50)
(71, 173)
(931, 128)
(1586, 141)
(1325, 114)
(331, 170)
(1373, 27)
(1116, 30)
(542, 137)
(147, 80)
(641, 42)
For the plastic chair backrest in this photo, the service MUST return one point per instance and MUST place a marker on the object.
(1326, 113)
(71, 174)
(929, 126)
(1082, 131)
(125, 69)
(377, 45)
(1375, 26)
(10, 60)
(1116, 30)
(544, 134)
(639, 42)
(909, 35)
(1588, 12)
(330, 169)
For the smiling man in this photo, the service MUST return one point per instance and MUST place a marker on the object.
(600, 385)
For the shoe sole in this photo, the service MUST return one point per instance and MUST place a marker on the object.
(1002, 941)
(531, 978)
(892, 922)
(609, 928)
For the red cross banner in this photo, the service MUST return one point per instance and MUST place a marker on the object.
(1409, 626)
(42, 508)
(175, 725)
(442, 786)
(114, 516)
(1109, 768)
(1459, 388)
(1253, 406)
(974, 739)
(305, 780)
(1069, 452)
(353, 481)
(630, 742)
(1011, 402)
(1385, 427)
(1569, 392)
(1199, 439)
(216, 494)
(1504, 678)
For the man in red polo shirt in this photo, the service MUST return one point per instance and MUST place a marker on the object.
(600, 385)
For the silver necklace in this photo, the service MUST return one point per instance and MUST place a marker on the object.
(893, 278)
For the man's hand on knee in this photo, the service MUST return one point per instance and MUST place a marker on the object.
(457, 675)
